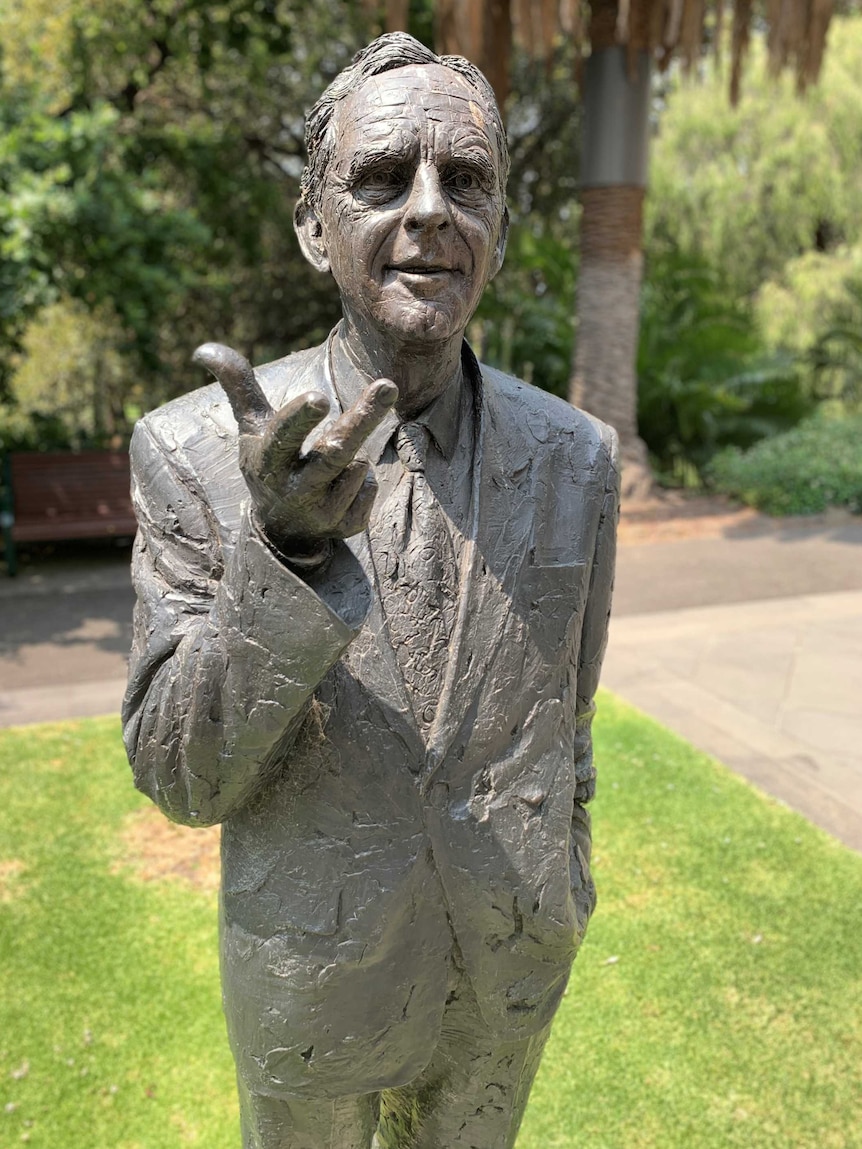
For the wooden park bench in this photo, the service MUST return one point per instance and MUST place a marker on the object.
(64, 495)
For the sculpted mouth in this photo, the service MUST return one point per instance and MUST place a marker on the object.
(420, 268)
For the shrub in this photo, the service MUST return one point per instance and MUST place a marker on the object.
(524, 323)
(803, 471)
(705, 379)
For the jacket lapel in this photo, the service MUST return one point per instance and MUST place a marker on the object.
(371, 657)
(500, 526)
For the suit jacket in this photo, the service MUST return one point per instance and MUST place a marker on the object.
(352, 846)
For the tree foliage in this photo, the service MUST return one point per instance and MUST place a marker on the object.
(706, 380)
(149, 168)
(148, 171)
(803, 471)
(149, 158)
(525, 319)
(813, 309)
(753, 283)
(750, 188)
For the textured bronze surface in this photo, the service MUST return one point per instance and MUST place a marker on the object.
(373, 589)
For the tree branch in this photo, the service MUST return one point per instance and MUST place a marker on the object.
(127, 97)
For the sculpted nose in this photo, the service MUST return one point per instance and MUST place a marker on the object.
(427, 209)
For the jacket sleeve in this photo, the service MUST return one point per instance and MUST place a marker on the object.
(228, 647)
(594, 633)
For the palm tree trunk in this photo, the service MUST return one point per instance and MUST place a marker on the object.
(481, 30)
(609, 283)
(613, 179)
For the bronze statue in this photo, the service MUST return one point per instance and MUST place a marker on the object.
(370, 650)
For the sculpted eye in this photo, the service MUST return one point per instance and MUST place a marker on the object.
(379, 184)
(468, 182)
(464, 181)
(379, 179)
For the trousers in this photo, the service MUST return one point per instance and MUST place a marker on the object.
(471, 1095)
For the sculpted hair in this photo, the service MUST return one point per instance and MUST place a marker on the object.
(393, 50)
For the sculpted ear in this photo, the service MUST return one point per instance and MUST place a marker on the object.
(309, 232)
(500, 248)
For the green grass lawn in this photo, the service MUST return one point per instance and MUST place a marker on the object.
(717, 1000)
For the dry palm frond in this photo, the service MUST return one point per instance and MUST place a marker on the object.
(496, 37)
(742, 10)
(718, 35)
(571, 20)
(397, 14)
(691, 32)
(818, 26)
(623, 17)
(550, 26)
(525, 26)
(483, 30)
(674, 23)
(472, 16)
(446, 31)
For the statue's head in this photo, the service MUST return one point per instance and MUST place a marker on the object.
(403, 198)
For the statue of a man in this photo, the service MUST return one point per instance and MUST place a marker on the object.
(370, 649)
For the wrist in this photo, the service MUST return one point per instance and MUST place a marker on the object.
(302, 555)
(307, 557)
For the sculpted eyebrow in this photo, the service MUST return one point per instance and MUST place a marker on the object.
(466, 146)
(374, 157)
(475, 159)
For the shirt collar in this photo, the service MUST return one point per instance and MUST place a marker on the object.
(442, 417)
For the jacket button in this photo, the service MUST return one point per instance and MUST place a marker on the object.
(428, 713)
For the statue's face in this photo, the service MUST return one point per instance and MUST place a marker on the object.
(412, 211)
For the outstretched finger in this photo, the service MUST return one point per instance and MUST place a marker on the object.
(347, 434)
(288, 430)
(358, 514)
(346, 486)
(236, 375)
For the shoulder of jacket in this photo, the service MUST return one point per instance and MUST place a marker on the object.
(528, 404)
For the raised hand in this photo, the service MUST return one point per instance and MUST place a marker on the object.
(301, 499)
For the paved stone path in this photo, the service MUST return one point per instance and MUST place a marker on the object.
(65, 633)
(750, 647)
(773, 689)
(748, 644)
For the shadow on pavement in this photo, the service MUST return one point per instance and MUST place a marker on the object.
(67, 617)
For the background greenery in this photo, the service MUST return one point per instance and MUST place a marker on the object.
(788, 475)
(715, 1002)
(148, 171)
(149, 159)
(753, 286)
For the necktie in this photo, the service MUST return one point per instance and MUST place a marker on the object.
(416, 565)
